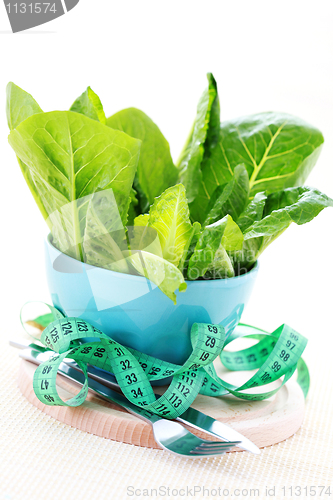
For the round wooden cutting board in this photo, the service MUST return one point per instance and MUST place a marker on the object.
(263, 422)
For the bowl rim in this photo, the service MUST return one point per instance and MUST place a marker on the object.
(133, 277)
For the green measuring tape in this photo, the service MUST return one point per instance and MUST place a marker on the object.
(274, 355)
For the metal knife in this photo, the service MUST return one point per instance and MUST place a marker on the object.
(194, 418)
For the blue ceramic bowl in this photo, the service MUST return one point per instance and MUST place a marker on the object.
(134, 312)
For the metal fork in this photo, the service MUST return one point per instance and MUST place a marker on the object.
(170, 435)
(174, 438)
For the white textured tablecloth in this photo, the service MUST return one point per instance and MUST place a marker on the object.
(42, 458)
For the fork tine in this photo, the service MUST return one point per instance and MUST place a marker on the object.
(218, 448)
(218, 444)
(206, 453)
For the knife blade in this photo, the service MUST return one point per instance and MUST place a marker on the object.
(192, 417)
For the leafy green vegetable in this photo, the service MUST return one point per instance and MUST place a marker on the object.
(221, 267)
(299, 205)
(89, 104)
(156, 171)
(104, 240)
(203, 136)
(204, 252)
(237, 186)
(144, 238)
(133, 207)
(189, 247)
(169, 215)
(73, 156)
(19, 106)
(253, 212)
(232, 237)
(210, 253)
(231, 198)
(278, 151)
(142, 220)
(243, 258)
(161, 272)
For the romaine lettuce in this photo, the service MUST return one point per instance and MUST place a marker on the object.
(113, 197)
(71, 156)
(156, 171)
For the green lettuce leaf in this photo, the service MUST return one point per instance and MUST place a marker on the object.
(233, 237)
(104, 241)
(189, 247)
(277, 149)
(232, 240)
(221, 267)
(73, 156)
(141, 220)
(19, 106)
(210, 258)
(231, 198)
(156, 171)
(161, 272)
(205, 250)
(202, 138)
(89, 104)
(133, 207)
(299, 205)
(253, 212)
(143, 237)
(169, 215)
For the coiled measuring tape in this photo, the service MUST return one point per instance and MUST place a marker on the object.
(274, 355)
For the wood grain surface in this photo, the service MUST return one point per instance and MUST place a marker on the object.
(263, 422)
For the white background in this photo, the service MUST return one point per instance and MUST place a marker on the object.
(154, 55)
